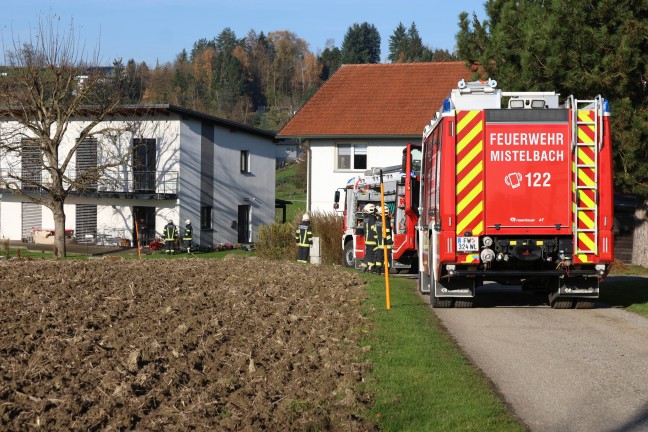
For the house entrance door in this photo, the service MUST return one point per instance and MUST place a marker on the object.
(244, 224)
(145, 217)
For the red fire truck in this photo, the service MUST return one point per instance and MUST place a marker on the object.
(520, 195)
(401, 190)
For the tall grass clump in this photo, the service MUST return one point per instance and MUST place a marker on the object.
(276, 241)
(328, 227)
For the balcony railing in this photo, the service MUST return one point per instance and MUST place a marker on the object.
(113, 182)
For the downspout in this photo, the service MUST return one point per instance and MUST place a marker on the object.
(308, 176)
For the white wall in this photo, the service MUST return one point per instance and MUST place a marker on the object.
(115, 222)
(10, 217)
(325, 179)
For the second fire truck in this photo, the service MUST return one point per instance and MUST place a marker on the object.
(401, 193)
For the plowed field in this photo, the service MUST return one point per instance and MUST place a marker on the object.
(187, 344)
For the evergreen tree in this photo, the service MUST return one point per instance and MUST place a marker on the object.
(442, 55)
(398, 45)
(361, 44)
(226, 41)
(134, 82)
(582, 47)
(199, 46)
(416, 52)
(331, 60)
(406, 45)
(227, 73)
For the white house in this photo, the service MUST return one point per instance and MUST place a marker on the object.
(184, 165)
(363, 117)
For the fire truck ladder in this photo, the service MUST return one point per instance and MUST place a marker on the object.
(586, 143)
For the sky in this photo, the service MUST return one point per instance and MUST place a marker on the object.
(158, 30)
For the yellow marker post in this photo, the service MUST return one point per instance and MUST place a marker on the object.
(384, 234)
(139, 244)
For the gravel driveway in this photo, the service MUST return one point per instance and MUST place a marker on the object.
(560, 370)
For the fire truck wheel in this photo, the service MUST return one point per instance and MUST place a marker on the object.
(440, 302)
(562, 303)
(584, 303)
(464, 302)
(348, 255)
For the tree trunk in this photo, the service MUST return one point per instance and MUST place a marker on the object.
(59, 226)
(640, 237)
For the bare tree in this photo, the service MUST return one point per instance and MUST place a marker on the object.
(53, 99)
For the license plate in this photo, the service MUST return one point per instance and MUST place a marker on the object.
(467, 244)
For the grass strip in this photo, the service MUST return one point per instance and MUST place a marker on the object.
(420, 380)
(631, 294)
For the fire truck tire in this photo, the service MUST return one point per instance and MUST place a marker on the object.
(464, 302)
(584, 303)
(348, 255)
(562, 303)
(440, 302)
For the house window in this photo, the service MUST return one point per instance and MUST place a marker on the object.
(245, 161)
(351, 156)
(86, 164)
(32, 164)
(205, 217)
(144, 162)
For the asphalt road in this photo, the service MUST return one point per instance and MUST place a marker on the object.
(559, 370)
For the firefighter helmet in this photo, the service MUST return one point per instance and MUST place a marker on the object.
(305, 217)
(188, 222)
(369, 208)
(383, 210)
(170, 221)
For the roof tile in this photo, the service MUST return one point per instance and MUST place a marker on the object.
(377, 99)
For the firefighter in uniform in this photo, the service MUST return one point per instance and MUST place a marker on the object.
(382, 242)
(170, 236)
(187, 236)
(304, 239)
(369, 237)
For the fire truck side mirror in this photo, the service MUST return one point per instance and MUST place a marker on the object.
(336, 199)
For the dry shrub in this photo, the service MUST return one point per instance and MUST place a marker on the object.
(328, 227)
(276, 241)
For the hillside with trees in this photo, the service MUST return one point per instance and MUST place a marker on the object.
(261, 79)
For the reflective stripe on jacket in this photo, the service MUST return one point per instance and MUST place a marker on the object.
(379, 235)
(370, 229)
(188, 233)
(303, 234)
(170, 232)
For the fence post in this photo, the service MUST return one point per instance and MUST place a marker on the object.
(315, 257)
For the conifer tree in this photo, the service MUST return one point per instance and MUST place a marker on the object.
(361, 44)
(398, 45)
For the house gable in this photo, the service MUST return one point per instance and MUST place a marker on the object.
(396, 99)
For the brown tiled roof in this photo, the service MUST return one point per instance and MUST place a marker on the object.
(396, 99)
